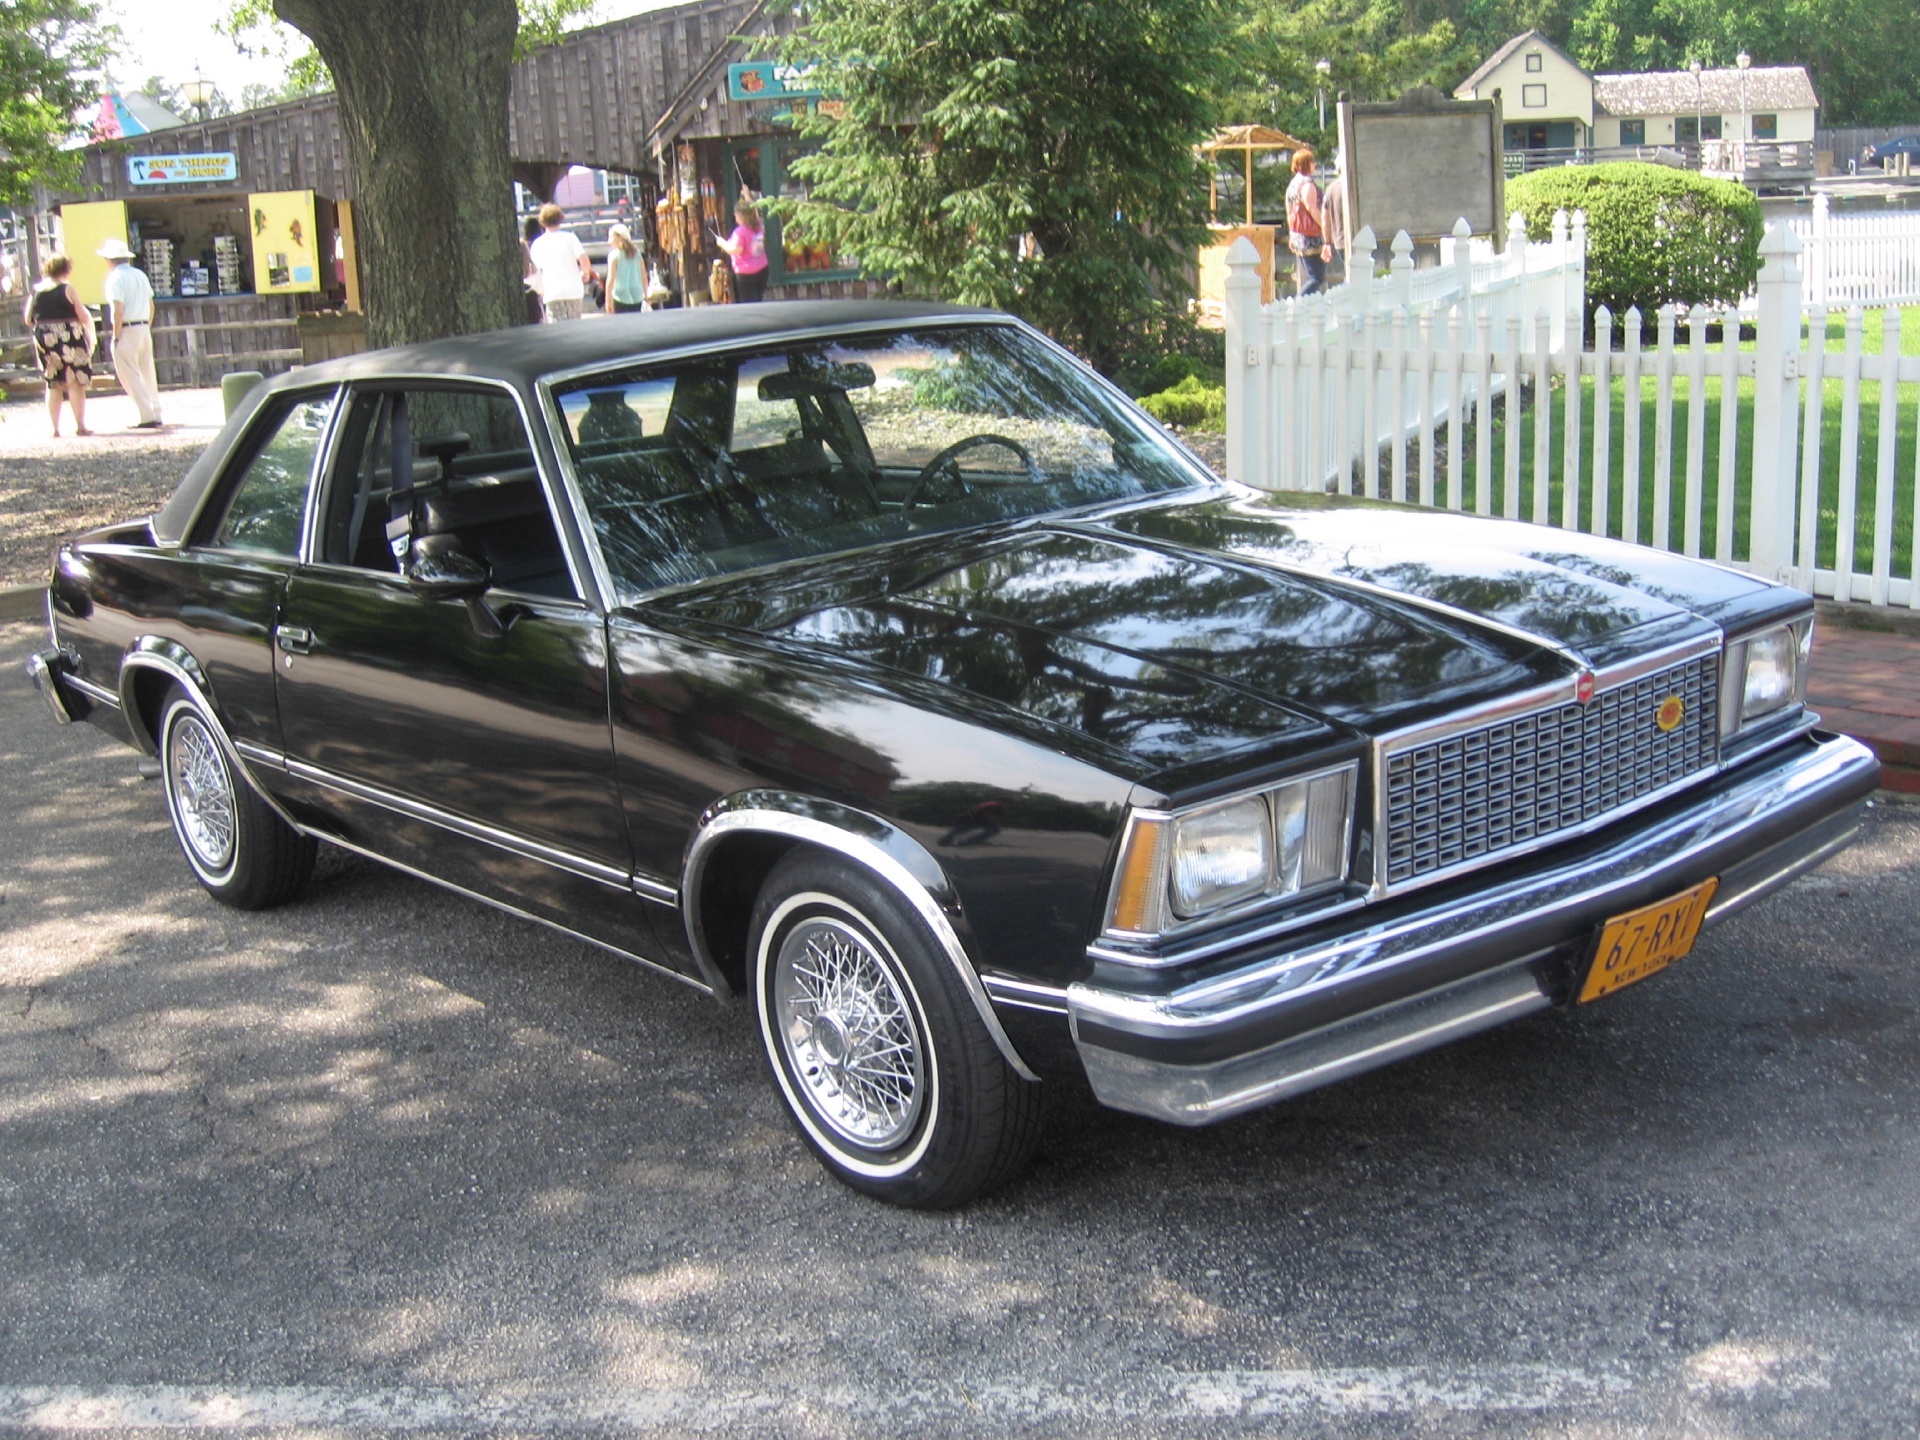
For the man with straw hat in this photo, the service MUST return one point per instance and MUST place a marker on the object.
(130, 303)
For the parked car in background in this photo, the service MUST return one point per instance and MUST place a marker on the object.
(883, 667)
(1907, 145)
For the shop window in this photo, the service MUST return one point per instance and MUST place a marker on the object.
(1533, 97)
(264, 514)
(1535, 62)
(794, 259)
(1766, 127)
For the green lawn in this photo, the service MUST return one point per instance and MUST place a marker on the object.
(1867, 450)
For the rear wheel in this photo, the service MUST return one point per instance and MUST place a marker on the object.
(243, 853)
(885, 1066)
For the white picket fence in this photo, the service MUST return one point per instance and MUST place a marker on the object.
(1409, 406)
(1858, 259)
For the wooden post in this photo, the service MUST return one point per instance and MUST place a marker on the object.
(1776, 407)
(1246, 425)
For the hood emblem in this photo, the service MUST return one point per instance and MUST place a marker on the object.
(1671, 712)
(1583, 686)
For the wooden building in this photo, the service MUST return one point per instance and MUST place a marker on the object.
(245, 222)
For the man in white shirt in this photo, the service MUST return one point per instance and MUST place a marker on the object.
(560, 260)
(130, 303)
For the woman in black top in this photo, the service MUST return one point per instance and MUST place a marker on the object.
(63, 334)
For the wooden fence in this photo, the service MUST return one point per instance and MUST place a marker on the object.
(1754, 457)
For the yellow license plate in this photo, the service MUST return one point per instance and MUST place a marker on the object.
(1643, 942)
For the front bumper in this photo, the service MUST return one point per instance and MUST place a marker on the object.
(1291, 1019)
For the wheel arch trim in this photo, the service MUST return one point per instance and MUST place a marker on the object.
(888, 853)
(177, 663)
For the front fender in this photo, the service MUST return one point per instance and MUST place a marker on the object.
(891, 855)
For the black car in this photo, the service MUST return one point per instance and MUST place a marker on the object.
(1908, 145)
(882, 665)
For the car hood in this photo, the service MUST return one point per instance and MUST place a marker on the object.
(1179, 633)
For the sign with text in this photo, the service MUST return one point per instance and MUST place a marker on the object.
(183, 169)
(770, 80)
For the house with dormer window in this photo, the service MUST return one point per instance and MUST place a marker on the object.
(1555, 112)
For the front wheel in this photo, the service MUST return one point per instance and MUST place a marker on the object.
(243, 853)
(884, 1065)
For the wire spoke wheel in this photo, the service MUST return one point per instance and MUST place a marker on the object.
(849, 1033)
(202, 792)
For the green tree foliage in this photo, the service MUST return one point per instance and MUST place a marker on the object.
(1860, 52)
(1371, 50)
(51, 52)
(1654, 234)
(256, 28)
(961, 129)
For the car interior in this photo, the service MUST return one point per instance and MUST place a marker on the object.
(475, 489)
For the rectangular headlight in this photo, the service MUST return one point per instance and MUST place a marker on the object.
(1764, 674)
(1271, 843)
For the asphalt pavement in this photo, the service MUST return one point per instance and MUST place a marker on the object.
(384, 1161)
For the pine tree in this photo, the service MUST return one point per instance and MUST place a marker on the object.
(1034, 155)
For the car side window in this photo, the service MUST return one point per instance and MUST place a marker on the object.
(475, 487)
(263, 516)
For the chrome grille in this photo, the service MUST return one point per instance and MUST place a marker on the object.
(1472, 795)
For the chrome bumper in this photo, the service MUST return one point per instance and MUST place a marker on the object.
(1291, 1020)
(48, 668)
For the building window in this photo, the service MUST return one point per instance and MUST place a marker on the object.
(1633, 132)
(1766, 127)
(1534, 63)
(762, 166)
(1533, 97)
(1692, 129)
(1709, 127)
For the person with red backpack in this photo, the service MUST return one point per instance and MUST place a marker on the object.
(1307, 227)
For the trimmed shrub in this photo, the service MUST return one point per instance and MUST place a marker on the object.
(1192, 404)
(1654, 234)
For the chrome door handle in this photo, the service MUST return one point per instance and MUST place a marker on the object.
(293, 639)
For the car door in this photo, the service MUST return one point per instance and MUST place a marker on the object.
(465, 739)
(219, 595)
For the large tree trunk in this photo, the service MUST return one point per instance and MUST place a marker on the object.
(423, 101)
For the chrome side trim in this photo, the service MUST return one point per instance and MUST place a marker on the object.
(882, 849)
(1025, 995)
(99, 694)
(1203, 1094)
(608, 875)
(514, 910)
(658, 891)
(261, 754)
(151, 652)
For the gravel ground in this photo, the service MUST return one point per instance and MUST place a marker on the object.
(50, 488)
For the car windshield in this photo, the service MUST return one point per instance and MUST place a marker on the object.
(715, 464)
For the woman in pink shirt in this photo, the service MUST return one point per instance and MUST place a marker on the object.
(747, 247)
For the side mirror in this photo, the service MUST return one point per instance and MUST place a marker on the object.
(447, 574)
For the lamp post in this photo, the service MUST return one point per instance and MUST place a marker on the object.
(1322, 68)
(198, 92)
(1743, 60)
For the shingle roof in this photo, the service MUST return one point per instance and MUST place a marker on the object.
(1717, 92)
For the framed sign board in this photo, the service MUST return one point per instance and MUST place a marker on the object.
(1421, 163)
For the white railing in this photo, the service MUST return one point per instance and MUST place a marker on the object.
(1702, 448)
(1858, 259)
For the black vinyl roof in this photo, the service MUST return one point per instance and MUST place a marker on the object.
(521, 356)
(524, 354)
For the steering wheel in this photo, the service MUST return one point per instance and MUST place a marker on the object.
(943, 464)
